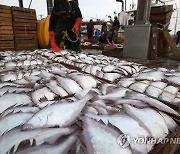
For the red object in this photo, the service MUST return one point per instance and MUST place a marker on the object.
(108, 42)
(76, 25)
(54, 46)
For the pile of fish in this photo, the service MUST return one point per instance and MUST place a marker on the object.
(46, 107)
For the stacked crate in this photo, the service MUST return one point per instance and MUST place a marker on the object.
(6, 30)
(25, 28)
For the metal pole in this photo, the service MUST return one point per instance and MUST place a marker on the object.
(21, 3)
(49, 6)
(143, 11)
(175, 28)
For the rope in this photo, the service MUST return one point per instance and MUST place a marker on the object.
(69, 39)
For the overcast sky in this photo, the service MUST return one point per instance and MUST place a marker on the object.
(90, 8)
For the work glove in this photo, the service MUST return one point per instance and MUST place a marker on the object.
(77, 23)
(109, 42)
(54, 46)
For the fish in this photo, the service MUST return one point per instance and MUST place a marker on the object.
(155, 103)
(53, 85)
(59, 114)
(169, 94)
(85, 81)
(156, 126)
(139, 86)
(151, 76)
(155, 89)
(126, 125)
(13, 120)
(111, 76)
(16, 136)
(9, 100)
(126, 82)
(171, 124)
(108, 68)
(101, 139)
(107, 88)
(21, 109)
(69, 85)
(43, 93)
(62, 148)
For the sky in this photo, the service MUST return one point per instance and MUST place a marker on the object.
(91, 9)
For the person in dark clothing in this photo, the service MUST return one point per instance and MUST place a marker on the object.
(109, 37)
(104, 28)
(116, 23)
(90, 30)
(65, 19)
(178, 37)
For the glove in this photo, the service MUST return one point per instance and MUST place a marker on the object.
(54, 46)
(76, 25)
(112, 42)
(109, 42)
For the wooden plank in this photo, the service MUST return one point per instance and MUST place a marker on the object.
(6, 32)
(25, 38)
(7, 45)
(5, 12)
(32, 14)
(7, 49)
(5, 7)
(6, 19)
(6, 37)
(5, 23)
(161, 9)
(24, 28)
(7, 42)
(163, 18)
(24, 32)
(6, 28)
(25, 35)
(26, 41)
(16, 24)
(25, 20)
(171, 43)
(5, 15)
(23, 9)
(25, 16)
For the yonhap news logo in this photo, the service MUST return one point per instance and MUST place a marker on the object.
(124, 140)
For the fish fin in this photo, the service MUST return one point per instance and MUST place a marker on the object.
(15, 148)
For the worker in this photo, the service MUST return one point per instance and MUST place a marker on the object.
(65, 20)
(109, 37)
(116, 22)
(90, 30)
(103, 28)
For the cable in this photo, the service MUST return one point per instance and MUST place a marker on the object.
(30, 4)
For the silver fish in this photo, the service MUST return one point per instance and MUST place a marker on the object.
(16, 136)
(59, 114)
(101, 139)
(9, 100)
(62, 148)
(42, 93)
(21, 109)
(127, 125)
(13, 120)
(53, 85)
(69, 85)
(156, 125)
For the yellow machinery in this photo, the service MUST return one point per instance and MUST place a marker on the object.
(43, 32)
